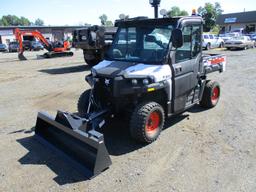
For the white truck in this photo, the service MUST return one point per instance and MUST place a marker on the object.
(212, 41)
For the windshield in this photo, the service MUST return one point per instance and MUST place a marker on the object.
(146, 44)
(36, 43)
(232, 34)
(13, 45)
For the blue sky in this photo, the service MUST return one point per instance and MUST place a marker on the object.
(75, 12)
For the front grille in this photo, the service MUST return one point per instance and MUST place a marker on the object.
(104, 90)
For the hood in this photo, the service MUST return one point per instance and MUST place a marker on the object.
(234, 41)
(113, 69)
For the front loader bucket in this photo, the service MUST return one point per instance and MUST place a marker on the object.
(22, 57)
(68, 135)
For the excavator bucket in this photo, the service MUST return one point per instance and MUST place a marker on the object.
(22, 57)
(75, 138)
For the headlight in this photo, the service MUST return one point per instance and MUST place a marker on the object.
(134, 81)
(145, 81)
(142, 81)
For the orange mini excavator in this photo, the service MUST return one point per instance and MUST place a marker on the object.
(54, 49)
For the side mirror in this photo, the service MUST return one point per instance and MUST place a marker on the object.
(177, 38)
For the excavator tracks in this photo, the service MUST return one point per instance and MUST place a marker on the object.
(58, 54)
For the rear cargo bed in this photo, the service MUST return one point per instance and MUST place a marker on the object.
(214, 62)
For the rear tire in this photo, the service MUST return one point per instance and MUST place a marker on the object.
(92, 58)
(211, 94)
(92, 62)
(208, 46)
(83, 102)
(147, 122)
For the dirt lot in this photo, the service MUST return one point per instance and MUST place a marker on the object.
(199, 151)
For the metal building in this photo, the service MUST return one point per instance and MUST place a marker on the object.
(50, 32)
(244, 22)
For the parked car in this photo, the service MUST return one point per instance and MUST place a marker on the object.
(242, 42)
(238, 30)
(228, 36)
(253, 38)
(212, 41)
(225, 37)
(13, 47)
(3, 48)
(36, 46)
(26, 44)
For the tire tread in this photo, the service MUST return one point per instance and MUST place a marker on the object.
(206, 99)
(139, 118)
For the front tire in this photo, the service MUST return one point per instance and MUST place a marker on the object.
(211, 94)
(83, 102)
(147, 122)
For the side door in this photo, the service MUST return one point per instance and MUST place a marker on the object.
(205, 40)
(213, 41)
(216, 40)
(186, 66)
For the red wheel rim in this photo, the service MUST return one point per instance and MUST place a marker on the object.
(215, 94)
(153, 122)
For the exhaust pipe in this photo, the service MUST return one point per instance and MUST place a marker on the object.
(76, 139)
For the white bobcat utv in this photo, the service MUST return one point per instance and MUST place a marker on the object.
(154, 69)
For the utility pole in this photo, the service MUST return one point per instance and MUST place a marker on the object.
(155, 4)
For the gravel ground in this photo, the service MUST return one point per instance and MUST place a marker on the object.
(199, 150)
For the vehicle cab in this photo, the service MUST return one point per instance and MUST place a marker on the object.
(156, 57)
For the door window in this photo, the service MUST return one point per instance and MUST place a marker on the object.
(184, 53)
(211, 36)
(192, 44)
(196, 41)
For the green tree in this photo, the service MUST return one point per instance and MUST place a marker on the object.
(216, 29)
(13, 20)
(210, 12)
(176, 11)
(4, 21)
(123, 16)
(24, 21)
(109, 23)
(103, 19)
(39, 22)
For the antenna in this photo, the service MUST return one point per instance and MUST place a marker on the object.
(155, 4)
